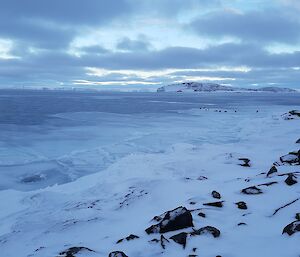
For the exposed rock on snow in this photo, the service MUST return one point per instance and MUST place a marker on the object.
(218, 204)
(298, 141)
(180, 238)
(253, 190)
(201, 214)
(117, 254)
(291, 115)
(272, 171)
(242, 205)
(245, 162)
(178, 218)
(291, 179)
(292, 158)
(74, 250)
(207, 230)
(292, 228)
(128, 238)
(216, 194)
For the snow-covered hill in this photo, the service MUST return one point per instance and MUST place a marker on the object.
(211, 87)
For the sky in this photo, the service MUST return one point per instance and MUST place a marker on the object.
(149, 43)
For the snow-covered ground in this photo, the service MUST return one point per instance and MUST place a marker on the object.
(87, 178)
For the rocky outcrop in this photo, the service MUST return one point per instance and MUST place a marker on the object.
(245, 162)
(180, 238)
(253, 190)
(292, 228)
(128, 238)
(216, 194)
(178, 218)
(207, 230)
(70, 252)
(272, 171)
(117, 254)
(241, 205)
(292, 158)
(291, 179)
(218, 204)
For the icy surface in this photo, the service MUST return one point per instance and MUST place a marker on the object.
(86, 175)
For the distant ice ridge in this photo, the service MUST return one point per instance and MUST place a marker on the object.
(211, 87)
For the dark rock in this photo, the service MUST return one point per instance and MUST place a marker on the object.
(178, 218)
(192, 203)
(252, 191)
(163, 241)
(297, 216)
(242, 224)
(291, 180)
(180, 238)
(155, 240)
(128, 238)
(246, 162)
(295, 112)
(292, 228)
(292, 158)
(201, 214)
(298, 141)
(268, 184)
(215, 204)
(202, 178)
(242, 205)
(117, 254)
(272, 171)
(157, 218)
(216, 194)
(206, 230)
(74, 250)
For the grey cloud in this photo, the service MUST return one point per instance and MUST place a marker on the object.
(133, 45)
(53, 24)
(261, 26)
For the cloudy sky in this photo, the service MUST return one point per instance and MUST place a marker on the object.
(149, 42)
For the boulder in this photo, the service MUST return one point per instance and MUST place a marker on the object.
(74, 250)
(201, 214)
(252, 190)
(298, 141)
(128, 238)
(242, 205)
(216, 194)
(292, 158)
(218, 204)
(272, 171)
(297, 216)
(178, 218)
(291, 179)
(292, 228)
(207, 230)
(291, 115)
(245, 162)
(180, 238)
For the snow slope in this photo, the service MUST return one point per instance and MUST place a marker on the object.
(97, 210)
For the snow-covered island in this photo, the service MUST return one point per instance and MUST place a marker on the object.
(212, 87)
